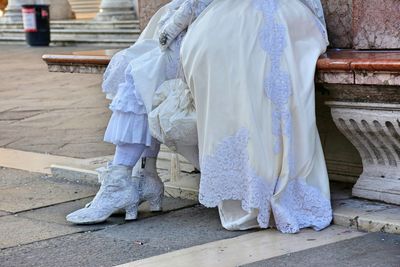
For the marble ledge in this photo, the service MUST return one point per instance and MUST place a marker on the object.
(333, 67)
(73, 68)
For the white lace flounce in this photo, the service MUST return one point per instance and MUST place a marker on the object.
(127, 98)
(115, 72)
(227, 175)
(128, 128)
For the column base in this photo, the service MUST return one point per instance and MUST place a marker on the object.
(386, 190)
(374, 130)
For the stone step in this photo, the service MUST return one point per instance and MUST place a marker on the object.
(80, 24)
(65, 41)
(113, 38)
(77, 32)
(85, 6)
(121, 33)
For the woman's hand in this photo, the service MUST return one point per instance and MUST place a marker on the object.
(177, 23)
(180, 20)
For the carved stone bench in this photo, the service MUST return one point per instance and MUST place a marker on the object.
(362, 89)
(364, 97)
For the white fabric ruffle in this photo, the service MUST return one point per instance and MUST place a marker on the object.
(127, 99)
(128, 128)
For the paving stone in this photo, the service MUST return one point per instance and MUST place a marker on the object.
(41, 193)
(17, 115)
(57, 213)
(49, 105)
(11, 178)
(175, 230)
(84, 249)
(8, 140)
(15, 230)
(372, 250)
(85, 150)
(4, 213)
(123, 243)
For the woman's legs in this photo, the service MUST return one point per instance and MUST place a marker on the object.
(128, 154)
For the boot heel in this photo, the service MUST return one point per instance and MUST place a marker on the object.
(156, 203)
(131, 212)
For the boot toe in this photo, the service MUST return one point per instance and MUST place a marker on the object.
(84, 216)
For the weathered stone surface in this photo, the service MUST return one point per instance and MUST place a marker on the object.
(374, 129)
(147, 8)
(376, 249)
(363, 24)
(366, 215)
(376, 24)
(339, 21)
(41, 193)
(375, 78)
(47, 117)
(15, 230)
(4, 213)
(10, 178)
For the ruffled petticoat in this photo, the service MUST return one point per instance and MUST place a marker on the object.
(144, 65)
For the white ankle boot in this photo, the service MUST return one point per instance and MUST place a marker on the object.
(151, 188)
(119, 190)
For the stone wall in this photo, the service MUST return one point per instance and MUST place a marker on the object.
(147, 9)
(338, 14)
(376, 24)
(363, 24)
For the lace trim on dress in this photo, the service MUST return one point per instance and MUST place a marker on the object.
(114, 74)
(227, 175)
(277, 82)
(299, 206)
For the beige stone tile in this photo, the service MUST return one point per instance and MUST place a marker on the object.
(41, 193)
(86, 150)
(367, 215)
(12, 178)
(33, 162)
(57, 213)
(17, 115)
(247, 248)
(48, 105)
(15, 230)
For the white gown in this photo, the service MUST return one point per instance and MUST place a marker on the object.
(250, 66)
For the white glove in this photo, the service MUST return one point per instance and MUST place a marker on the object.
(180, 20)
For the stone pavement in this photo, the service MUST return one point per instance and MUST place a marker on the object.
(33, 232)
(56, 113)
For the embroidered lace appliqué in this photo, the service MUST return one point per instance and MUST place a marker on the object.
(227, 175)
(277, 82)
(301, 206)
